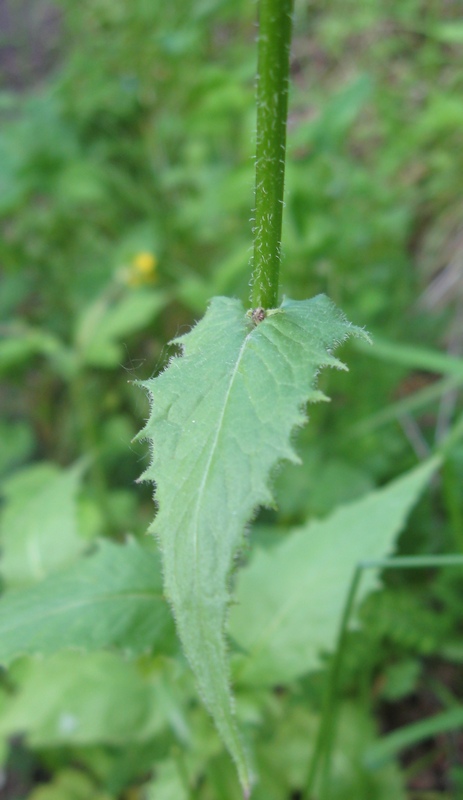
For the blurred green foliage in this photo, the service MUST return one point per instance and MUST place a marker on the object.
(126, 188)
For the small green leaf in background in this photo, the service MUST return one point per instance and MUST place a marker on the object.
(450, 32)
(83, 698)
(389, 747)
(414, 357)
(289, 599)
(23, 343)
(113, 597)
(107, 321)
(221, 419)
(327, 131)
(38, 525)
(17, 445)
(69, 784)
(168, 783)
(283, 755)
(400, 679)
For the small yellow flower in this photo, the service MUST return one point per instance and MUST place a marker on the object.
(144, 263)
(142, 269)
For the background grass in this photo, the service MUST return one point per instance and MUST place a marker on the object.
(126, 188)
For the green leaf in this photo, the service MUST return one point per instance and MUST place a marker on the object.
(221, 419)
(25, 343)
(448, 32)
(408, 405)
(69, 784)
(84, 699)
(286, 744)
(107, 321)
(168, 783)
(297, 590)
(350, 780)
(17, 441)
(110, 598)
(39, 522)
(337, 116)
(389, 747)
(414, 357)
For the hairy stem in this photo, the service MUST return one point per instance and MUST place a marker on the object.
(275, 25)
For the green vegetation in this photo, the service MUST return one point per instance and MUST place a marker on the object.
(126, 177)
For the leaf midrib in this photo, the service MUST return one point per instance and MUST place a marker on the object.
(213, 450)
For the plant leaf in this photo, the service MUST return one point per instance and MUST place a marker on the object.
(413, 357)
(284, 753)
(68, 784)
(39, 522)
(25, 343)
(84, 698)
(168, 783)
(450, 32)
(391, 745)
(111, 598)
(105, 323)
(297, 590)
(222, 417)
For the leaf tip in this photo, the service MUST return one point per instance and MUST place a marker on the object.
(247, 780)
(361, 333)
(318, 396)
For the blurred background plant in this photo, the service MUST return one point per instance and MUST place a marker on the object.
(126, 187)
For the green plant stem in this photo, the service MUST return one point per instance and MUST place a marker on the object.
(275, 25)
(89, 437)
(448, 442)
(451, 492)
(327, 731)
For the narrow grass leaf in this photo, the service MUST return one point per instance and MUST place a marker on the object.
(408, 405)
(415, 357)
(390, 746)
(221, 418)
